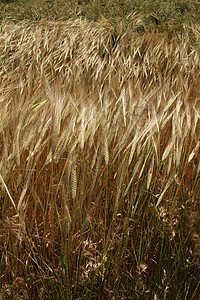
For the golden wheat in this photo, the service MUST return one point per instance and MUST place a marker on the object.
(120, 121)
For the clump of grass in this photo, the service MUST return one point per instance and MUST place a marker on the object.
(164, 16)
(99, 162)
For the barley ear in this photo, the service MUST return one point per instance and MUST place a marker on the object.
(16, 150)
(73, 182)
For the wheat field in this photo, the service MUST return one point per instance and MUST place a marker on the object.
(99, 162)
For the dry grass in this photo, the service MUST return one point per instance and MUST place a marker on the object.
(99, 162)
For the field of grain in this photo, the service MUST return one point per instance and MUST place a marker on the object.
(99, 162)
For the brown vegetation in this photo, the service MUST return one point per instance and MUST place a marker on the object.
(99, 144)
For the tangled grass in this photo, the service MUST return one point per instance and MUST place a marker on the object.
(99, 171)
(162, 15)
